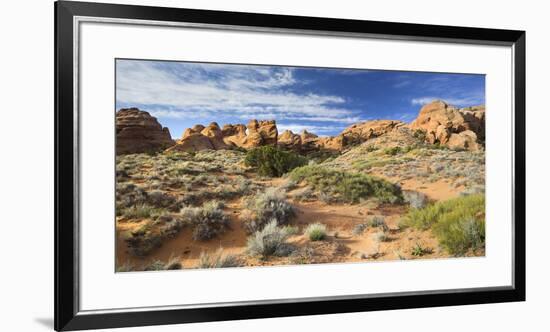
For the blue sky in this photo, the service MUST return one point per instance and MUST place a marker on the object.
(323, 101)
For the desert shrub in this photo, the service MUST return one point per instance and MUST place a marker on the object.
(418, 250)
(128, 195)
(141, 243)
(140, 211)
(359, 229)
(288, 185)
(208, 221)
(324, 197)
(321, 156)
(416, 200)
(155, 266)
(420, 135)
(473, 190)
(459, 224)
(303, 194)
(316, 232)
(291, 230)
(462, 236)
(270, 241)
(174, 263)
(347, 186)
(125, 188)
(126, 267)
(243, 186)
(160, 199)
(381, 236)
(267, 206)
(376, 221)
(218, 260)
(392, 151)
(272, 161)
(172, 228)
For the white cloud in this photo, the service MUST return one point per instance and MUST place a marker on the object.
(194, 89)
(298, 128)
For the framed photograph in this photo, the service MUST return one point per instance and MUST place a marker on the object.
(219, 165)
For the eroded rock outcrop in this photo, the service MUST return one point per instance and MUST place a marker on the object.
(289, 140)
(447, 125)
(256, 133)
(361, 132)
(139, 132)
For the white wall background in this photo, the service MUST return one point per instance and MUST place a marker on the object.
(26, 164)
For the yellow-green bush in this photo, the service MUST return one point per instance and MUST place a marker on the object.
(459, 224)
(347, 186)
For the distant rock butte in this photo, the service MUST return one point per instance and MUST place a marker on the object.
(441, 123)
(137, 132)
(447, 125)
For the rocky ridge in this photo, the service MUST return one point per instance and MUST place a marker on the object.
(437, 123)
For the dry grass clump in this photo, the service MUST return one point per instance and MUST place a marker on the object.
(140, 211)
(174, 263)
(267, 206)
(270, 241)
(208, 221)
(218, 260)
(416, 200)
(316, 232)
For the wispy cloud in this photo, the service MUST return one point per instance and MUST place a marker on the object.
(194, 90)
(298, 128)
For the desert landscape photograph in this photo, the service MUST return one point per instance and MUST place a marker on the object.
(235, 165)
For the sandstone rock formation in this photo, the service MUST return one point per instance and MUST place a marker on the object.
(290, 140)
(211, 137)
(139, 132)
(440, 122)
(360, 132)
(447, 125)
(260, 133)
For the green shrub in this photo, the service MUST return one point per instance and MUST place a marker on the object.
(459, 224)
(271, 240)
(272, 161)
(267, 206)
(419, 251)
(347, 186)
(420, 135)
(392, 151)
(291, 230)
(316, 232)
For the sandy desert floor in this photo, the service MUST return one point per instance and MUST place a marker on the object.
(153, 232)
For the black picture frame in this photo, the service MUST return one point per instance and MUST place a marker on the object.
(67, 314)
